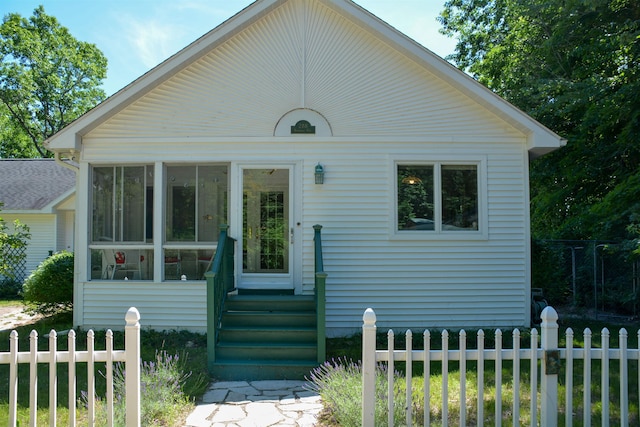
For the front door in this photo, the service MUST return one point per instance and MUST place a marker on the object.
(267, 230)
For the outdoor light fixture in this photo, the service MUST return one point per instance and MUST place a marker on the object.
(319, 174)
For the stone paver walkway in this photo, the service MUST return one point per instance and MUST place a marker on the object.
(256, 404)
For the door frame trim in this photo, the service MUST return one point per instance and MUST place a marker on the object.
(295, 209)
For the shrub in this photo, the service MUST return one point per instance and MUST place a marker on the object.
(50, 286)
(10, 288)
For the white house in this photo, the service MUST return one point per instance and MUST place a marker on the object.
(41, 194)
(424, 201)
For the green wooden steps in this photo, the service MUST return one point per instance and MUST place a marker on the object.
(266, 337)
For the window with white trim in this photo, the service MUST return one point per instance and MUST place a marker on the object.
(437, 197)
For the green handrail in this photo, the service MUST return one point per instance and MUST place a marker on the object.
(220, 281)
(320, 294)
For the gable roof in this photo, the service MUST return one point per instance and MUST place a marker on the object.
(539, 139)
(33, 184)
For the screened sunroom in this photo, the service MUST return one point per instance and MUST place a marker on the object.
(123, 244)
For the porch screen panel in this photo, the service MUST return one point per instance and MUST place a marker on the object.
(196, 202)
(133, 204)
(121, 233)
(102, 203)
(119, 203)
(195, 207)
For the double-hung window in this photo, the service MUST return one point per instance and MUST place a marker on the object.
(438, 198)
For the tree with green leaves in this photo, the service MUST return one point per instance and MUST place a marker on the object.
(47, 80)
(574, 65)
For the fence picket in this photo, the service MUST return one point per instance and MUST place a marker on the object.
(480, 369)
(390, 377)
(463, 377)
(498, 364)
(568, 421)
(624, 379)
(516, 377)
(71, 340)
(53, 378)
(91, 381)
(409, 377)
(33, 378)
(13, 378)
(426, 338)
(534, 377)
(109, 372)
(605, 378)
(586, 385)
(445, 378)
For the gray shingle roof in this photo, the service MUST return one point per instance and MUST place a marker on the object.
(31, 184)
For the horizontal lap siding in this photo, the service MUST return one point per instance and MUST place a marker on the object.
(162, 306)
(420, 283)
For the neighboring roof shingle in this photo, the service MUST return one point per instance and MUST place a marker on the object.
(31, 184)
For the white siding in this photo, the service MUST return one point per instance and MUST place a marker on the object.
(65, 224)
(409, 282)
(166, 306)
(43, 236)
(381, 106)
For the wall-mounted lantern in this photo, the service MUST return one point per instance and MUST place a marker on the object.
(319, 174)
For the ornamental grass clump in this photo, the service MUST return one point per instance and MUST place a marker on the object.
(161, 389)
(339, 384)
(162, 398)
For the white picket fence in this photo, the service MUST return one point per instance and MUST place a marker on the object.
(543, 378)
(130, 356)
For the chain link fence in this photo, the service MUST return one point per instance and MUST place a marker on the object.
(599, 278)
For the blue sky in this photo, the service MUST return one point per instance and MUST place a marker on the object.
(136, 35)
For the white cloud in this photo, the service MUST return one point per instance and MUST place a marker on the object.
(153, 41)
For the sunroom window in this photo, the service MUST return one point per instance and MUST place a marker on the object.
(121, 244)
(196, 205)
(437, 197)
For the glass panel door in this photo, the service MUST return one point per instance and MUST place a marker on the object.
(266, 227)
